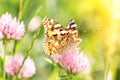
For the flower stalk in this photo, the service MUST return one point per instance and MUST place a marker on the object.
(29, 50)
(19, 18)
(67, 77)
(20, 9)
(4, 58)
(64, 74)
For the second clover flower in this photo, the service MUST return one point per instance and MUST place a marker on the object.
(72, 60)
(13, 64)
(11, 28)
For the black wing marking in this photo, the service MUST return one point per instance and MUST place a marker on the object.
(72, 25)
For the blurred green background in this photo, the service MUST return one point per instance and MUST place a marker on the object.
(98, 26)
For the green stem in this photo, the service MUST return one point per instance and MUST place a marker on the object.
(65, 75)
(4, 59)
(71, 75)
(29, 49)
(14, 78)
(14, 49)
(107, 70)
(20, 9)
(19, 18)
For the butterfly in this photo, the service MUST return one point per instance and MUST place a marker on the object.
(58, 38)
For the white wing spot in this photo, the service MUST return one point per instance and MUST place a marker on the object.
(52, 20)
(49, 26)
(68, 26)
(63, 32)
(75, 31)
(74, 25)
(57, 26)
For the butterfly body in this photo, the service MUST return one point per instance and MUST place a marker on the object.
(57, 38)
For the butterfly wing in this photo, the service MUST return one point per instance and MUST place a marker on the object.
(57, 38)
(52, 35)
(72, 29)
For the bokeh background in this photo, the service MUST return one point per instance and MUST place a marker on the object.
(98, 26)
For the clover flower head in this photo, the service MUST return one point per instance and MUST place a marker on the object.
(11, 28)
(72, 60)
(13, 64)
